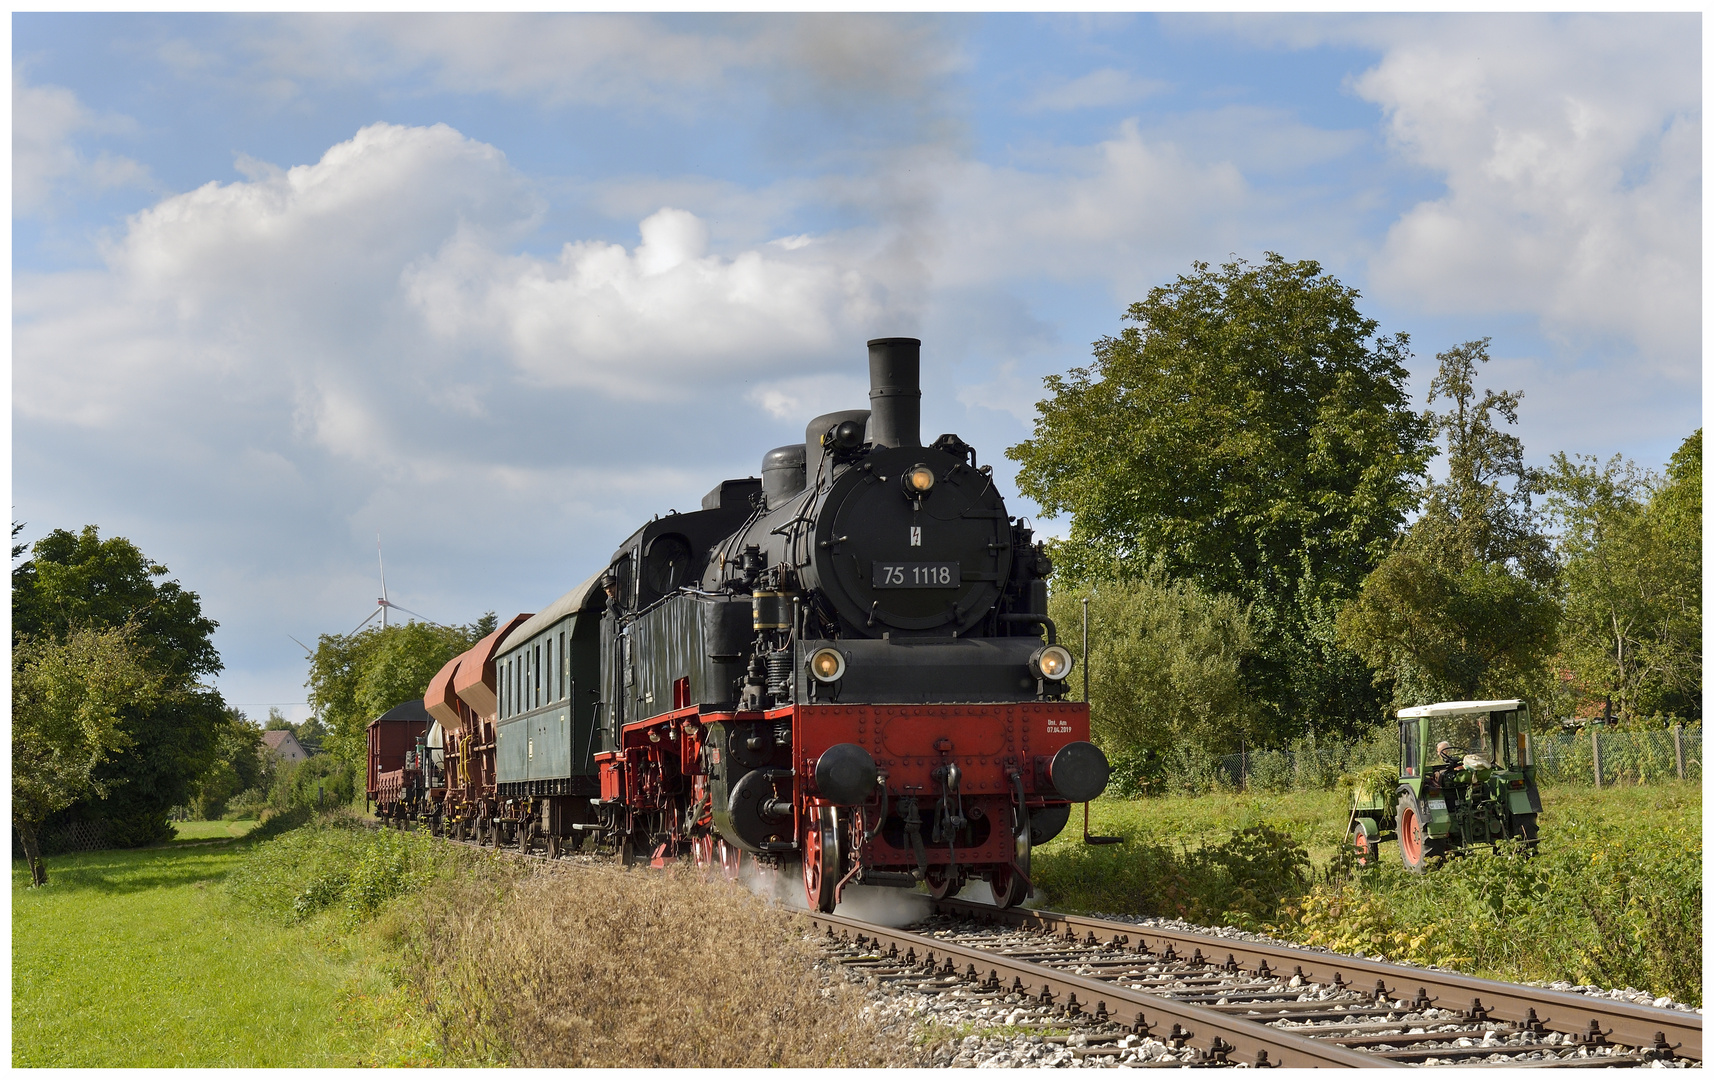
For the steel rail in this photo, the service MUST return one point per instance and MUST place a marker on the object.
(1214, 1033)
(1620, 1022)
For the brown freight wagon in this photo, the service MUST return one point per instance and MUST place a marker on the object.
(392, 735)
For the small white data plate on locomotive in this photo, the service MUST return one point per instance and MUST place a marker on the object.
(916, 575)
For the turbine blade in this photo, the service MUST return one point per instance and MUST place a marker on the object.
(408, 611)
(365, 622)
(383, 564)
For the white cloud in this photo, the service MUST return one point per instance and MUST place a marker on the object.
(362, 306)
(1119, 211)
(623, 60)
(45, 159)
(634, 323)
(1571, 152)
(1101, 88)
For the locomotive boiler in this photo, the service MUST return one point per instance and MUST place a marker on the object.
(843, 668)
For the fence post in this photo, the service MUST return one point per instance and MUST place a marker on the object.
(1595, 747)
(1244, 765)
(1678, 748)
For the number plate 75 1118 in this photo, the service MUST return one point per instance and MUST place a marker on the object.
(916, 575)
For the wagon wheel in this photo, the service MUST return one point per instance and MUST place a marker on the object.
(821, 858)
(1413, 832)
(942, 884)
(731, 859)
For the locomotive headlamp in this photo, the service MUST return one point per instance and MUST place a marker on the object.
(918, 480)
(1051, 662)
(827, 665)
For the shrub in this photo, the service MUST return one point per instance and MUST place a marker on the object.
(1243, 879)
(334, 864)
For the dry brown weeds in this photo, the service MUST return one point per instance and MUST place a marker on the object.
(607, 967)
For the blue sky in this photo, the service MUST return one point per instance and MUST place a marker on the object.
(499, 288)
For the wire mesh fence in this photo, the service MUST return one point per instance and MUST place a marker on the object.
(1596, 755)
(1600, 755)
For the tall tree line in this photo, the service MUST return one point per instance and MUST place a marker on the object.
(1249, 438)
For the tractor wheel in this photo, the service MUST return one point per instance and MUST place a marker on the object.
(1413, 833)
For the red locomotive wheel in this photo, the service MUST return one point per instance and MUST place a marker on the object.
(702, 852)
(1008, 887)
(821, 860)
(731, 859)
(942, 884)
(1008, 883)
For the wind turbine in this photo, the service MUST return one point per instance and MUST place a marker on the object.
(381, 602)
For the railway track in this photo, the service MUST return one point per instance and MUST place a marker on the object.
(1147, 995)
(1143, 995)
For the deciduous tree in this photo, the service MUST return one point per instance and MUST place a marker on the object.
(355, 678)
(75, 580)
(1464, 605)
(1164, 662)
(70, 697)
(1251, 432)
(1630, 552)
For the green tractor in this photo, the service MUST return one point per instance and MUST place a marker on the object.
(1465, 777)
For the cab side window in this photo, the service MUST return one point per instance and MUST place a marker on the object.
(1410, 762)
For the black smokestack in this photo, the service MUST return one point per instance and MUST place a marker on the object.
(895, 391)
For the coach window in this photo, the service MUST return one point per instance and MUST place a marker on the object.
(562, 663)
(551, 659)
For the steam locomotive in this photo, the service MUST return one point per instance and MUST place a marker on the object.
(843, 669)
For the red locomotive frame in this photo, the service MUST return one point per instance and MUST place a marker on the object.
(1001, 752)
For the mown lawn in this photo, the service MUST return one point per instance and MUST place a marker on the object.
(192, 831)
(138, 958)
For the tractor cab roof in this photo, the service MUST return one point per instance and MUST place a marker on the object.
(1457, 708)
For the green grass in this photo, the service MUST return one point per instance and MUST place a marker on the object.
(139, 958)
(1613, 898)
(192, 831)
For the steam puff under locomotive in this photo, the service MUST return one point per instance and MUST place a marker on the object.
(838, 667)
